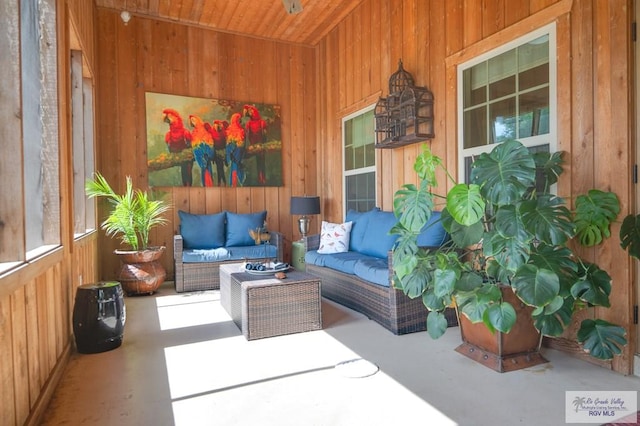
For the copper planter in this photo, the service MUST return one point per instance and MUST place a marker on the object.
(520, 348)
(141, 271)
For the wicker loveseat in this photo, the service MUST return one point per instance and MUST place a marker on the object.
(207, 241)
(362, 277)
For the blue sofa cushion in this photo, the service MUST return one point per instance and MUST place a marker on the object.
(312, 257)
(202, 231)
(343, 262)
(359, 222)
(433, 234)
(377, 241)
(374, 270)
(253, 252)
(238, 225)
(205, 255)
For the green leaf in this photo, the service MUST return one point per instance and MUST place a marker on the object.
(502, 316)
(593, 216)
(535, 286)
(549, 165)
(444, 282)
(462, 235)
(433, 302)
(554, 323)
(505, 173)
(510, 253)
(468, 281)
(548, 219)
(426, 165)
(416, 282)
(413, 206)
(601, 339)
(465, 204)
(594, 286)
(630, 235)
(436, 324)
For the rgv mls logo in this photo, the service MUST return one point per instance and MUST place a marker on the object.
(601, 406)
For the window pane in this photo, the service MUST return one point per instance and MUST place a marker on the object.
(501, 88)
(359, 157)
(502, 116)
(534, 77)
(360, 192)
(475, 127)
(475, 85)
(534, 113)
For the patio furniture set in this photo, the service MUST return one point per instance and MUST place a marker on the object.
(358, 276)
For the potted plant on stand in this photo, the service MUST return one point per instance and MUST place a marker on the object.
(131, 218)
(509, 267)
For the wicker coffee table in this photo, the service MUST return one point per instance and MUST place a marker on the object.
(264, 306)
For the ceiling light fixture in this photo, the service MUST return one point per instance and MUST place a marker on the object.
(125, 16)
(292, 6)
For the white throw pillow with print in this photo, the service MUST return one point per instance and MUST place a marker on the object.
(334, 237)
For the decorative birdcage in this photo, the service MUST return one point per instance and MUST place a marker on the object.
(405, 116)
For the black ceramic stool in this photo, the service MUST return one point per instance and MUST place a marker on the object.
(99, 317)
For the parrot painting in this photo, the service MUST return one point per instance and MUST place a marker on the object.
(256, 133)
(219, 134)
(178, 138)
(235, 151)
(202, 143)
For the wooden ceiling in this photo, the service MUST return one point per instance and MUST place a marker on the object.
(266, 19)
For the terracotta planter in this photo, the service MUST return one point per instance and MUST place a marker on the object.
(141, 271)
(520, 348)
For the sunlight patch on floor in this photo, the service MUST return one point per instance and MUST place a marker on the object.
(189, 310)
(284, 380)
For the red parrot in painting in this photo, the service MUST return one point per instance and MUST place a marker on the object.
(256, 133)
(235, 151)
(178, 138)
(219, 134)
(202, 149)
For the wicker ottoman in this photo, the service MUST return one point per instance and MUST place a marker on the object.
(264, 306)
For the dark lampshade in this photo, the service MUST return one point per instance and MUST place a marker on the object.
(305, 205)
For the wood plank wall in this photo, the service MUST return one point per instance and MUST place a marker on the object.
(431, 37)
(158, 56)
(36, 300)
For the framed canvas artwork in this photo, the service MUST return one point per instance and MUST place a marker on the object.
(212, 142)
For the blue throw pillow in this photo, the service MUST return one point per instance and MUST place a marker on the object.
(377, 241)
(238, 225)
(202, 231)
(359, 222)
(433, 234)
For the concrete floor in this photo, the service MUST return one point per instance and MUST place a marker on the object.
(184, 362)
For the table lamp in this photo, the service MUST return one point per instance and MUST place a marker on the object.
(305, 206)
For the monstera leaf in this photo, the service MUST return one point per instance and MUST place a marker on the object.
(465, 204)
(601, 339)
(630, 235)
(548, 219)
(594, 213)
(504, 174)
(413, 206)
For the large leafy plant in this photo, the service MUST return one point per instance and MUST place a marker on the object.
(507, 228)
(133, 214)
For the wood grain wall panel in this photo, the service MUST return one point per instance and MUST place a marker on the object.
(7, 388)
(515, 11)
(612, 143)
(20, 358)
(443, 34)
(493, 19)
(472, 18)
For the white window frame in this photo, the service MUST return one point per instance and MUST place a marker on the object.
(550, 138)
(363, 170)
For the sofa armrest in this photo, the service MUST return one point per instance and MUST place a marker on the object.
(178, 247)
(311, 242)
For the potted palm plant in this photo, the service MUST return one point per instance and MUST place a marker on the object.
(131, 217)
(509, 266)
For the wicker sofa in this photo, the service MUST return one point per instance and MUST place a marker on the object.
(378, 300)
(205, 242)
